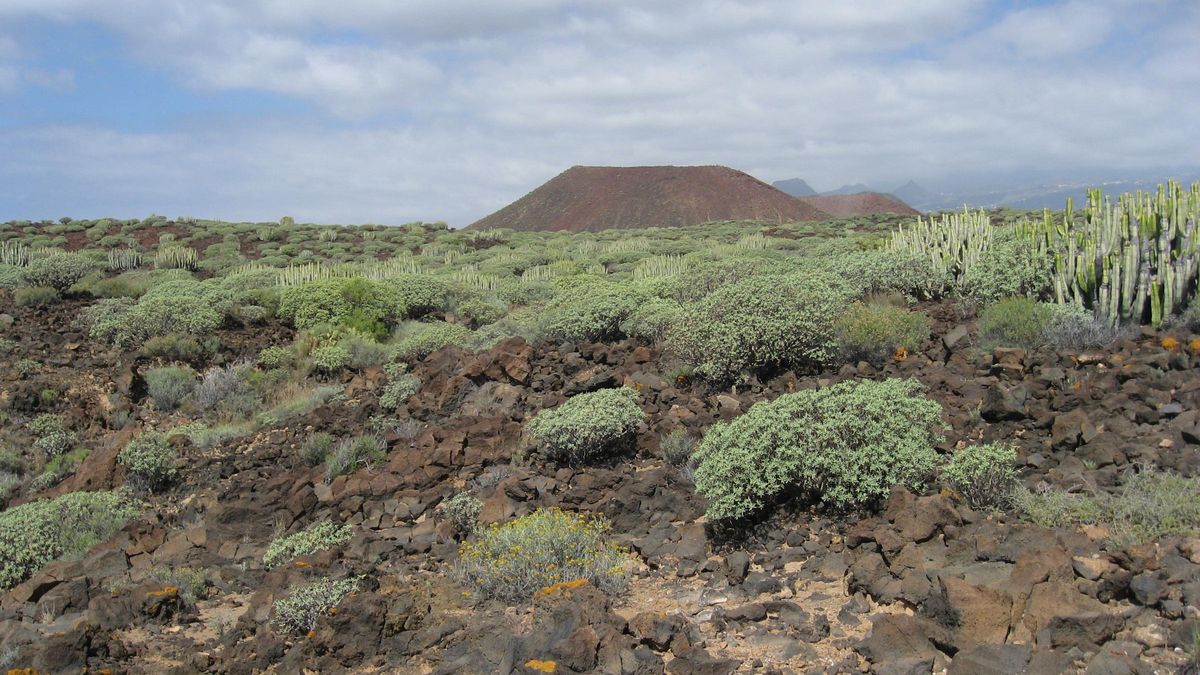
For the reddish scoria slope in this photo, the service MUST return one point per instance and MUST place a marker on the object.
(859, 204)
(591, 198)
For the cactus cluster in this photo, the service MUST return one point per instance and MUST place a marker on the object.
(953, 243)
(14, 253)
(123, 259)
(659, 266)
(174, 256)
(294, 275)
(1130, 260)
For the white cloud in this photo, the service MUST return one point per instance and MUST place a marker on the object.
(457, 108)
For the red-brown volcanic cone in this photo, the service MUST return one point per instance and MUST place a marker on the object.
(591, 198)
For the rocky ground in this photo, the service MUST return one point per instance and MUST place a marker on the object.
(924, 585)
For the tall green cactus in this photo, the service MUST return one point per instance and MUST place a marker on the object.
(953, 243)
(1133, 260)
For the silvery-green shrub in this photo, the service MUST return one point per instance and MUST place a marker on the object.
(760, 323)
(586, 425)
(844, 446)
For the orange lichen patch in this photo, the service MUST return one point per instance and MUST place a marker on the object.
(1077, 386)
(1170, 344)
(900, 355)
(23, 671)
(311, 634)
(1194, 345)
(542, 666)
(332, 611)
(301, 563)
(562, 586)
(166, 591)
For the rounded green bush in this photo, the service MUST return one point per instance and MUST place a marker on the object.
(590, 311)
(760, 323)
(845, 445)
(984, 475)
(587, 424)
(366, 306)
(34, 534)
(1011, 266)
(418, 339)
(169, 385)
(330, 358)
(151, 461)
(652, 319)
(317, 537)
(874, 331)
(549, 546)
(305, 605)
(59, 271)
(35, 296)
(1016, 322)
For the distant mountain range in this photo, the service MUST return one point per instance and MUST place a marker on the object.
(795, 187)
(1030, 197)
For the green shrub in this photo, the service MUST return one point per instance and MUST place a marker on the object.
(480, 312)
(760, 323)
(189, 581)
(330, 358)
(363, 352)
(314, 538)
(677, 447)
(1016, 322)
(1150, 504)
(178, 348)
(587, 424)
(416, 340)
(651, 319)
(874, 331)
(58, 469)
(225, 391)
(50, 434)
(272, 358)
(117, 287)
(151, 461)
(983, 474)
(1075, 327)
(59, 271)
(169, 385)
(11, 276)
(35, 296)
(844, 445)
(298, 613)
(418, 294)
(588, 312)
(887, 271)
(549, 546)
(365, 306)
(11, 462)
(37, 533)
(316, 448)
(463, 510)
(398, 390)
(1009, 267)
(172, 307)
(352, 454)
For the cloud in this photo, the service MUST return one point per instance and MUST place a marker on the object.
(448, 110)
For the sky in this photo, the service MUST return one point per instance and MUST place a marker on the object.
(388, 112)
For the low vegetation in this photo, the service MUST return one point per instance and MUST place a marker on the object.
(512, 561)
(1149, 504)
(844, 446)
(299, 612)
(34, 534)
(587, 425)
(312, 539)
